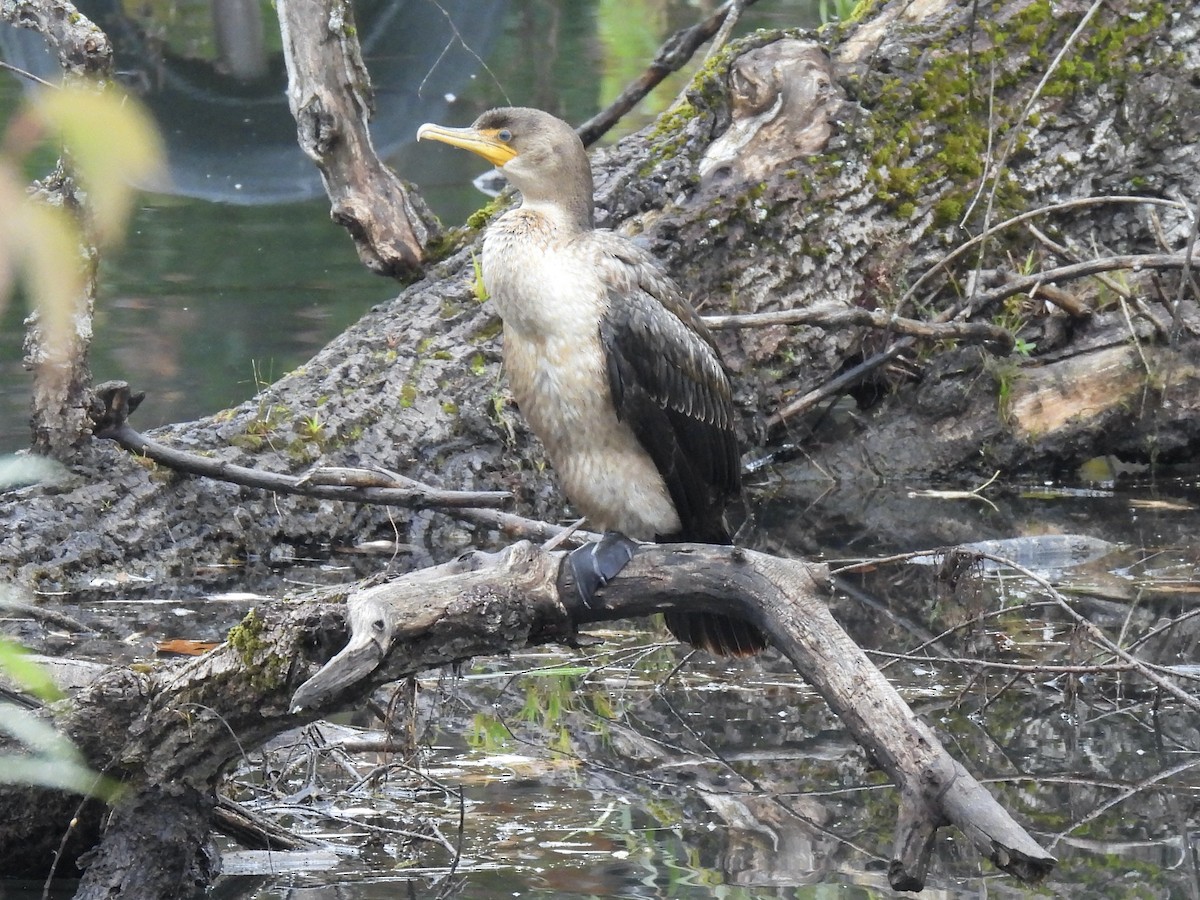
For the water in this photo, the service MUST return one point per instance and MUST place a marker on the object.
(625, 770)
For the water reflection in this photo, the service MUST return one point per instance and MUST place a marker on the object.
(624, 770)
(213, 77)
(204, 302)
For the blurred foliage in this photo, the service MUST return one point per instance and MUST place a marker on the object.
(48, 759)
(110, 140)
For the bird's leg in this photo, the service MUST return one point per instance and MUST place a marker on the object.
(596, 563)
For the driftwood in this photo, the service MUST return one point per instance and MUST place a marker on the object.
(190, 722)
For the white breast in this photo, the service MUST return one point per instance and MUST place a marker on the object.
(551, 300)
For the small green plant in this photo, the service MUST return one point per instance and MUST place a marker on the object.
(311, 428)
(478, 288)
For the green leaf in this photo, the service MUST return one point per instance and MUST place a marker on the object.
(17, 664)
(113, 145)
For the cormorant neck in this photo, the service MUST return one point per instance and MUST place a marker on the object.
(572, 218)
(558, 186)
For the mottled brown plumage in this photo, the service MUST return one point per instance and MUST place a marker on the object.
(609, 363)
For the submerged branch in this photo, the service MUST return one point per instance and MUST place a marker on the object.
(528, 595)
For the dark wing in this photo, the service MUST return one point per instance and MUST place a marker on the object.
(668, 385)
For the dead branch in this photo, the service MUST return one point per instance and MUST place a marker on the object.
(389, 621)
(1024, 284)
(672, 56)
(355, 485)
(82, 48)
(978, 332)
(1041, 211)
(254, 686)
(329, 95)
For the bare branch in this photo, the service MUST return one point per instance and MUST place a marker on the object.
(672, 56)
(329, 95)
(111, 424)
(982, 332)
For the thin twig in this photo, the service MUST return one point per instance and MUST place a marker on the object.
(835, 386)
(1142, 668)
(1186, 276)
(983, 332)
(1081, 203)
(415, 496)
(16, 70)
(1025, 283)
(722, 37)
(1011, 143)
(672, 56)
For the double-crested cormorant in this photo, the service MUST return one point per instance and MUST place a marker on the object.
(612, 367)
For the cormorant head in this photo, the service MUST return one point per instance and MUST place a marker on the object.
(539, 154)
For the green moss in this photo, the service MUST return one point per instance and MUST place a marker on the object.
(246, 637)
(482, 216)
(488, 331)
(249, 442)
(408, 395)
(943, 112)
(266, 670)
(447, 243)
(948, 211)
(669, 135)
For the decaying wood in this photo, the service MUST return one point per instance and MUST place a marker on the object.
(81, 47)
(258, 684)
(329, 94)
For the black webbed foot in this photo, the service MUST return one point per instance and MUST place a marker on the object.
(597, 563)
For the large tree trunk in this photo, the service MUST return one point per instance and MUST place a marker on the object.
(946, 120)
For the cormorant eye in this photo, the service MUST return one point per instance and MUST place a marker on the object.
(504, 134)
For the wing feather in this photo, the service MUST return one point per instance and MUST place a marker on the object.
(668, 384)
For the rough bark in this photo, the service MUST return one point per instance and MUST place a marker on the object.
(81, 47)
(60, 426)
(330, 98)
(415, 385)
(60, 419)
(255, 686)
